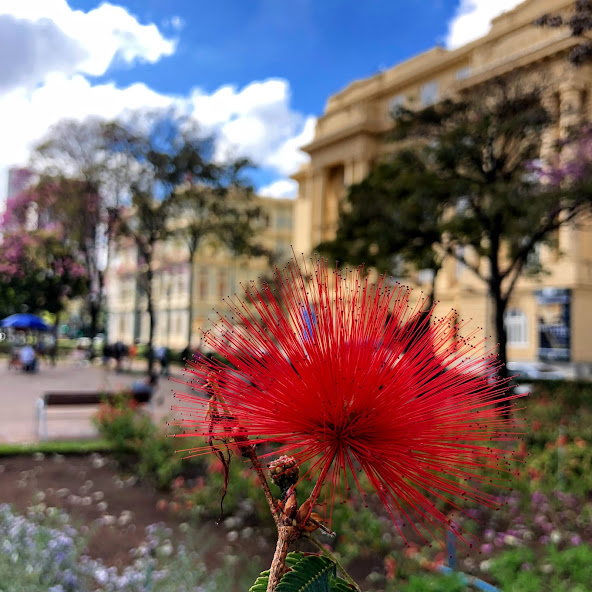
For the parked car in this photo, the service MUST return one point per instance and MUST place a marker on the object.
(534, 371)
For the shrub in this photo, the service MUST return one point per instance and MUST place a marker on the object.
(139, 445)
(569, 570)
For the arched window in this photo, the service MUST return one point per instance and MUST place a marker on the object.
(516, 327)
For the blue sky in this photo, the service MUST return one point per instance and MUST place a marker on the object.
(318, 46)
(255, 73)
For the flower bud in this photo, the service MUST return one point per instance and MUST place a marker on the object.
(284, 472)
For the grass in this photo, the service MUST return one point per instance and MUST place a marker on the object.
(56, 447)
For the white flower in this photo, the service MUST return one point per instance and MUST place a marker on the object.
(556, 537)
(485, 565)
(511, 540)
(124, 518)
(232, 536)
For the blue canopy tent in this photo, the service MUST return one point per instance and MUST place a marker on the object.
(24, 321)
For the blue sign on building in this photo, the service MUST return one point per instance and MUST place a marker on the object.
(554, 324)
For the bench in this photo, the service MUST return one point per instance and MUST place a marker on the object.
(79, 399)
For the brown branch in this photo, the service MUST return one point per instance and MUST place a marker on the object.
(252, 456)
(450, 251)
(286, 535)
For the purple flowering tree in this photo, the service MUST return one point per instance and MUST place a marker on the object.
(40, 267)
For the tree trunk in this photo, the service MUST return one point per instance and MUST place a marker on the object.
(432, 295)
(151, 318)
(94, 310)
(190, 306)
(499, 305)
(53, 354)
(97, 305)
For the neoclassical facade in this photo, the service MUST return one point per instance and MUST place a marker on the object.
(217, 274)
(550, 318)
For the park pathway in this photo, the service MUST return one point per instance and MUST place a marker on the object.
(19, 392)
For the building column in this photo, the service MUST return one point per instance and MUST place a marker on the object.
(319, 188)
(550, 135)
(361, 170)
(349, 174)
(570, 107)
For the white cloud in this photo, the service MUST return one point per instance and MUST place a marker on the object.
(30, 51)
(256, 121)
(281, 188)
(473, 18)
(101, 36)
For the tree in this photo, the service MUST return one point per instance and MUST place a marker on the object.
(80, 181)
(579, 24)
(167, 153)
(493, 210)
(223, 209)
(391, 220)
(39, 272)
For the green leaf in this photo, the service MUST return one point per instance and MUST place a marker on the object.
(260, 584)
(337, 584)
(308, 573)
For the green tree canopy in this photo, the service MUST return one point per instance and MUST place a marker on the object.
(475, 174)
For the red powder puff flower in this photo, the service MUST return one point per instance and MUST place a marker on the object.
(346, 376)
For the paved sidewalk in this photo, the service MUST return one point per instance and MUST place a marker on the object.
(20, 391)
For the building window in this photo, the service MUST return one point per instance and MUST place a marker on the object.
(463, 73)
(222, 283)
(283, 220)
(533, 260)
(429, 93)
(425, 276)
(461, 255)
(516, 327)
(395, 103)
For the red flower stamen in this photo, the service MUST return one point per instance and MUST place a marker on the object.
(347, 377)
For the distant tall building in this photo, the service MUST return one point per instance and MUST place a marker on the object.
(18, 179)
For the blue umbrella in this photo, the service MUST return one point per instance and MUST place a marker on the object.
(24, 320)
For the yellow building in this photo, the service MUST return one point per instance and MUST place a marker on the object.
(217, 274)
(548, 318)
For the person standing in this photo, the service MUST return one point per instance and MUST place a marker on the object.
(162, 355)
(28, 358)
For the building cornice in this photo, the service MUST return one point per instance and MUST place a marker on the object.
(370, 128)
(439, 58)
(514, 61)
